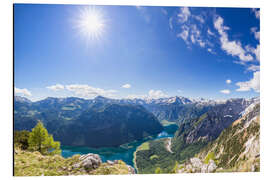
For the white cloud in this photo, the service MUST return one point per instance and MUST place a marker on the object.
(210, 32)
(136, 96)
(253, 83)
(22, 92)
(256, 12)
(233, 48)
(255, 32)
(211, 50)
(126, 86)
(196, 37)
(155, 94)
(228, 81)
(183, 35)
(255, 51)
(225, 91)
(253, 68)
(171, 22)
(152, 94)
(183, 15)
(199, 18)
(194, 33)
(86, 91)
(179, 91)
(56, 87)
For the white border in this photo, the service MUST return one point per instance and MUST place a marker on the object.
(7, 71)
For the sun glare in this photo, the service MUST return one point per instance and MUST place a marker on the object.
(91, 23)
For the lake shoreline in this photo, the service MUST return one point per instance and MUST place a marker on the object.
(125, 152)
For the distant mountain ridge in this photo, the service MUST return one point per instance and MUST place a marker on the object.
(173, 109)
(61, 114)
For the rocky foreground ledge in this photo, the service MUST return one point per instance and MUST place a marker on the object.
(35, 164)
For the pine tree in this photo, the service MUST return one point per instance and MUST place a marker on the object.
(40, 140)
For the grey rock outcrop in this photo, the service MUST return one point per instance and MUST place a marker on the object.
(212, 166)
(195, 165)
(89, 161)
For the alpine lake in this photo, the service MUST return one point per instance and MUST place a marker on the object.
(123, 152)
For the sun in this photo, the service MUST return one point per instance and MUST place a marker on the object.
(90, 23)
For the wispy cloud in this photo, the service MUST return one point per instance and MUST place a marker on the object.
(184, 14)
(199, 18)
(191, 29)
(253, 68)
(234, 47)
(256, 12)
(209, 32)
(126, 86)
(171, 22)
(56, 87)
(255, 32)
(253, 83)
(228, 81)
(22, 92)
(255, 51)
(225, 91)
(86, 91)
(184, 34)
(152, 94)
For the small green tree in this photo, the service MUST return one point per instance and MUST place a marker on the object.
(158, 170)
(40, 140)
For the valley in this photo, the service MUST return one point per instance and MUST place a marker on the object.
(157, 135)
(124, 152)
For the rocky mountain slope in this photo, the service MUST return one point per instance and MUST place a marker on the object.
(192, 136)
(236, 149)
(209, 125)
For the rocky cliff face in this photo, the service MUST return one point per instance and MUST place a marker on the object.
(236, 149)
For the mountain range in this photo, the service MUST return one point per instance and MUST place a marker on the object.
(102, 122)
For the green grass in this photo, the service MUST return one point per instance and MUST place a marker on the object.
(144, 146)
(28, 163)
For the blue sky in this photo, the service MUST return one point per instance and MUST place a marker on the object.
(134, 51)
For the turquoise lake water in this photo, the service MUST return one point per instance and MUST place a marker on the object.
(123, 152)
